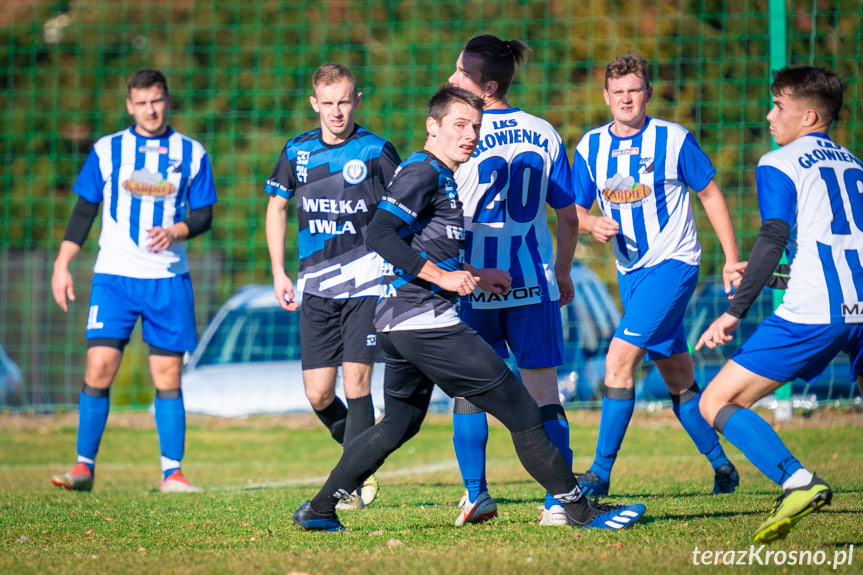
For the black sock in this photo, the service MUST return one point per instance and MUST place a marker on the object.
(334, 416)
(361, 416)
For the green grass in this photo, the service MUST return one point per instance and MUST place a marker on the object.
(258, 471)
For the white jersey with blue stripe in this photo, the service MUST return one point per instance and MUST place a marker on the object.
(519, 166)
(643, 182)
(815, 186)
(142, 183)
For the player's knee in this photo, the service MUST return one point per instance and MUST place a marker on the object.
(320, 399)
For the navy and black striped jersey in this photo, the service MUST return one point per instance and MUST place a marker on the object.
(423, 194)
(337, 189)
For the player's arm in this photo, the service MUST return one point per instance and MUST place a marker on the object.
(584, 188)
(276, 231)
(720, 218)
(567, 240)
(764, 259)
(600, 227)
(82, 218)
(383, 237)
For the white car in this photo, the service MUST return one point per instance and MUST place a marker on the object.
(248, 361)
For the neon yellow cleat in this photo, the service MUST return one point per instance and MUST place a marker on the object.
(791, 507)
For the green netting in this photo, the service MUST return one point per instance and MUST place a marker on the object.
(239, 74)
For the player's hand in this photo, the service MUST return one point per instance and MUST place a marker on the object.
(62, 286)
(719, 332)
(564, 284)
(604, 229)
(160, 239)
(284, 289)
(732, 274)
(492, 280)
(459, 281)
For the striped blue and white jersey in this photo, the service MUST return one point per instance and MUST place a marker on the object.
(423, 195)
(643, 182)
(337, 189)
(519, 166)
(142, 183)
(816, 186)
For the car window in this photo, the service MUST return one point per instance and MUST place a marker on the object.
(251, 335)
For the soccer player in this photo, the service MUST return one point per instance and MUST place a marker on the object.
(338, 173)
(419, 230)
(811, 207)
(639, 170)
(520, 165)
(156, 189)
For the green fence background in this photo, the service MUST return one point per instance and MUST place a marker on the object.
(239, 74)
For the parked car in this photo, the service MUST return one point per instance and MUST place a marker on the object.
(11, 381)
(248, 360)
(709, 302)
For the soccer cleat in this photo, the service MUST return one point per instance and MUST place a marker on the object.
(351, 502)
(592, 485)
(725, 479)
(79, 479)
(483, 509)
(792, 506)
(176, 483)
(369, 490)
(308, 518)
(610, 516)
(555, 516)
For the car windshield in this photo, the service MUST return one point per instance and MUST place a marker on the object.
(252, 335)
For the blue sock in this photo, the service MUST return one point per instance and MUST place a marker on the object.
(93, 407)
(469, 438)
(557, 427)
(706, 439)
(617, 407)
(758, 442)
(171, 427)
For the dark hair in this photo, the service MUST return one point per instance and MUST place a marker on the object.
(146, 78)
(328, 74)
(499, 59)
(819, 87)
(448, 94)
(629, 63)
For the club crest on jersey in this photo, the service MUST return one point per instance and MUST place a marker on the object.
(355, 171)
(143, 182)
(624, 190)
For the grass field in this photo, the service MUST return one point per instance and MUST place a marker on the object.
(257, 471)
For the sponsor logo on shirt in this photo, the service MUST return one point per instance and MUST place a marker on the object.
(853, 313)
(143, 182)
(624, 190)
(513, 294)
(355, 171)
(303, 166)
(153, 149)
(624, 152)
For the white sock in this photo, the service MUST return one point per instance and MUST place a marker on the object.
(799, 478)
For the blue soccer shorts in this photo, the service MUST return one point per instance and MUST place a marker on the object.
(805, 350)
(166, 307)
(533, 332)
(654, 302)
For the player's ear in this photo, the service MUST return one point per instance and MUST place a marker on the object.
(810, 118)
(314, 102)
(129, 107)
(358, 100)
(490, 88)
(431, 126)
(649, 94)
